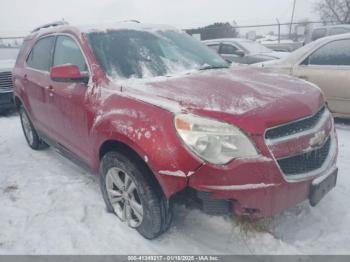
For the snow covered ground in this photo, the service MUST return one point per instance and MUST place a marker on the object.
(50, 206)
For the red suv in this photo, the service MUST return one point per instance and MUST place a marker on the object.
(156, 114)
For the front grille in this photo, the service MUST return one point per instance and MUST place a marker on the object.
(294, 127)
(6, 81)
(306, 162)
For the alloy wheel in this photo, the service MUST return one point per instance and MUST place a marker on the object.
(124, 197)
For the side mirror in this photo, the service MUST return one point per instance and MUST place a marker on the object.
(68, 73)
(240, 53)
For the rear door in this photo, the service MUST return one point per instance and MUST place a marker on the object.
(329, 68)
(68, 102)
(36, 81)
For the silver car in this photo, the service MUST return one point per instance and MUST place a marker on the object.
(243, 51)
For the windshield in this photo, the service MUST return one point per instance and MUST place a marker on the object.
(8, 53)
(254, 48)
(143, 54)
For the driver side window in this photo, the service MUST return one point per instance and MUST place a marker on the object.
(67, 51)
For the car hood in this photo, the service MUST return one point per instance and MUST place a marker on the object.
(7, 65)
(242, 95)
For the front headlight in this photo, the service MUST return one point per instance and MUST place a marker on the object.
(214, 141)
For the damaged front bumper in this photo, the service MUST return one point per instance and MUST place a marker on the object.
(258, 189)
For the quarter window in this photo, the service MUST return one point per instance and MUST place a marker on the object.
(41, 55)
(67, 51)
(336, 53)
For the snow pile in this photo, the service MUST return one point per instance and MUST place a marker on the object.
(50, 206)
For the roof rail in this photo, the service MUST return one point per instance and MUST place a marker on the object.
(57, 23)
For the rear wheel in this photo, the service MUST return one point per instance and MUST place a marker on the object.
(130, 194)
(29, 131)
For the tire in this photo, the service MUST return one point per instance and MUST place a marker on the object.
(32, 137)
(156, 212)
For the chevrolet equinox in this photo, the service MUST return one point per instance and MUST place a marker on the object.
(156, 113)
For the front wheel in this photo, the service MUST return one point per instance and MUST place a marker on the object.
(29, 131)
(130, 194)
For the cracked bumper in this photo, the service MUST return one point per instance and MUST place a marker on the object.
(255, 187)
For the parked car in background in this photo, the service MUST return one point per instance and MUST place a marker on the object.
(324, 31)
(7, 61)
(283, 46)
(157, 114)
(280, 45)
(326, 63)
(243, 51)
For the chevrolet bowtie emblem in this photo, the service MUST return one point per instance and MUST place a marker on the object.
(318, 139)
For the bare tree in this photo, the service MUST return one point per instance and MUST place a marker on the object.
(334, 11)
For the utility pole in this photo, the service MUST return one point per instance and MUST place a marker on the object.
(279, 30)
(291, 22)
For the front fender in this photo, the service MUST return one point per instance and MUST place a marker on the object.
(150, 132)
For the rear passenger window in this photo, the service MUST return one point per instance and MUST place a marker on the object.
(336, 53)
(67, 51)
(22, 50)
(40, 57)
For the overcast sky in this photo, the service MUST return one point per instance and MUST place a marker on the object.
(20, 16)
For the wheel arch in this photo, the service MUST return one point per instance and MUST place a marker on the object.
(126, 150)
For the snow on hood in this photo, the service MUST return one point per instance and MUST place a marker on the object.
(236, 91)
(7, 64)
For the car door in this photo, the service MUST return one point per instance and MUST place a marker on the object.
(229, 52)
(329, 68)
(68, 104)
(36, 79)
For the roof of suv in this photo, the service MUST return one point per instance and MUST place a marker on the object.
(127, 25)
